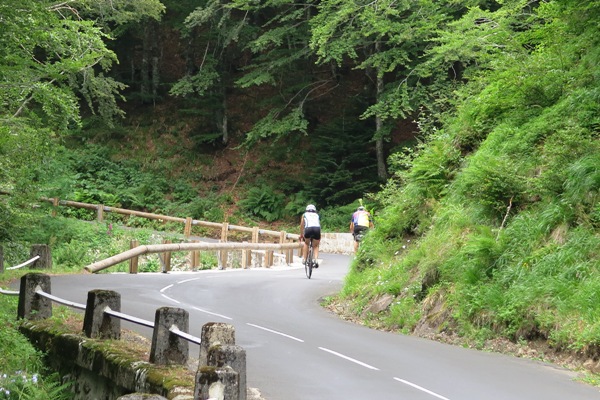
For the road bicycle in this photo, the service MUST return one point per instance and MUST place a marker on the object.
(309, 262)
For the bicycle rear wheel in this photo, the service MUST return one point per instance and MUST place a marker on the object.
(308, 265)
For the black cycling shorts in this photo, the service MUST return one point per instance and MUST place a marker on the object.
(313, 232)
(359, 229)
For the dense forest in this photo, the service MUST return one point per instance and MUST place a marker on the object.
(470, 129)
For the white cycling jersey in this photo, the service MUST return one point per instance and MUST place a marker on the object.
(311, 220)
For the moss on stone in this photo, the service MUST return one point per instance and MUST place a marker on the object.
(118, 361)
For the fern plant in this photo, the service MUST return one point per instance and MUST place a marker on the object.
(265, 203)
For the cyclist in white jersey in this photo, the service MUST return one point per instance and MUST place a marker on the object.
(310, 228)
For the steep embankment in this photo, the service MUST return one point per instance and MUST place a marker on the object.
(494, 233)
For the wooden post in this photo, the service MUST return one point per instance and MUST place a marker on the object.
(224, 231)
(245, 254)
(269, 258)
(282, 240)
(166, 259)
(187, 230)
(54, 206)
(194, 258)
(255, 234)
(223, 253)
(133, 262)
(100, 212)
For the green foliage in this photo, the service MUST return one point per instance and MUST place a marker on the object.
(278, 123)
(23, 387)
(504, 198)
(343, 167)
(120, 12)
(264, 203)
(495, 183)
(23, 374)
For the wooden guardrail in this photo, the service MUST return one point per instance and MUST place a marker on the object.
(285, 239)
(188, 221)
(245, 248)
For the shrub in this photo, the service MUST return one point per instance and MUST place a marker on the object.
(265, 203)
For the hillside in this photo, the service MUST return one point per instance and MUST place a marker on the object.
(494, 232)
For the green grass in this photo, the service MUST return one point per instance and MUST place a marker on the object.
(502, 209)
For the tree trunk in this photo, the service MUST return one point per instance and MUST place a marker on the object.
(224, 127)
(150, 62)
(381, 170)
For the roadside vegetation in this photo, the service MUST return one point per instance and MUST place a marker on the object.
(494, 230)
(75, 243)
(470, 130)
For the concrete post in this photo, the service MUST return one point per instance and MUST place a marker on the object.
(216, 383)
(214, 334)
(31, 305)
(97, 324)
(168, 348)
(234, 357)
(45, 260)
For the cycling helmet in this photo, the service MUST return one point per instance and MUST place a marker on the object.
(311, 207)
(360, 208)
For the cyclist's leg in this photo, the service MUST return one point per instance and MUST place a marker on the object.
(308, 235)
(355, 242)
(316, 249)
(305, 250)
(316, 242)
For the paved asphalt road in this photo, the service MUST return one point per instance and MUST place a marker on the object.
(296, 350)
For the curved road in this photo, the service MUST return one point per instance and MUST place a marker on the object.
(296, 350)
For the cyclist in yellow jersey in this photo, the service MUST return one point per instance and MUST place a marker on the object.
(310, 228)
(361, 222)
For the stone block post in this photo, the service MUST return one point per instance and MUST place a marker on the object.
(214, 334)
(97, 324)
(216, 383)
(45, 260)
(168, 348)
(31, 305)
(234, 357)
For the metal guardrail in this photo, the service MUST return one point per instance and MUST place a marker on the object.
(59, 300)
(25, 263)
(164, 350)
(126, 317)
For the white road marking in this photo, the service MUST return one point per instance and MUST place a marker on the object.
(276, 332)
(421, 389)
(335, 353)
(165, 288)
(168, 298)
(188, 280)
(212, 313)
